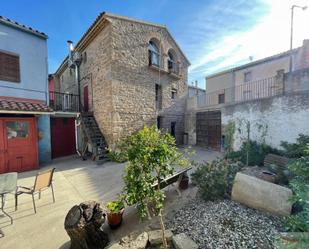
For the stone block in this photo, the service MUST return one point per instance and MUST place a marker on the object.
(262, 195)
(182, 241)
(140, 242)
(155, 236)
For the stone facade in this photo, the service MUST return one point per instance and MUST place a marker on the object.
(122, 85)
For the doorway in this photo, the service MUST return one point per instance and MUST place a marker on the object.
(18, 144)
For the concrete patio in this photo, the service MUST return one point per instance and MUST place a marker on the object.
(76, 181)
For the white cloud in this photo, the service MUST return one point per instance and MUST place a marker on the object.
(271, 35)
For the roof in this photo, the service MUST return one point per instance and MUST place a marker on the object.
(21, 106)
(253, 63)
(22, 27)
(194, 87)
(103, 17)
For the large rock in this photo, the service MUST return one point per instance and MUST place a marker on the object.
(155, 237)
(262, 195)
(182, 241)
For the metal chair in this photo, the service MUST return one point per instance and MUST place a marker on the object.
(43, 180)
(8, 184)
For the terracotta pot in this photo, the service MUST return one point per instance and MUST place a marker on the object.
(115, 219)
(184, 183)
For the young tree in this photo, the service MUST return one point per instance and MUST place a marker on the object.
(152, 157)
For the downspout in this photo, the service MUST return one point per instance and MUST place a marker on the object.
(77, 124)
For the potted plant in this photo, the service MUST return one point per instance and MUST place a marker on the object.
(184, 183)
(115, 212)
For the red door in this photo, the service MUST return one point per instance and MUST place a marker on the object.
(62, 137)
(19, 144)
(86, 101)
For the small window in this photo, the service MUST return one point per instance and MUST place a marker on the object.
(247, 76)
(9, 67)
(174, 94)
(85, 57)
(17, 129)
(173, 129)
(221, 98)
(159, 122)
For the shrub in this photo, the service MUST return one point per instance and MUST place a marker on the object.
(256, 153)
(215, 179)
(117, 156)
(295, 150)
(299, 183)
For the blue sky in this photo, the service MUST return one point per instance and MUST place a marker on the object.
(214, 34)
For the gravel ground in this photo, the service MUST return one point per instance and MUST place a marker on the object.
(225, 224)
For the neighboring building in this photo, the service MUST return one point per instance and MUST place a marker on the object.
(193, 91)
(132, 73)
(263, 92)
(243, 82)
(24, 111)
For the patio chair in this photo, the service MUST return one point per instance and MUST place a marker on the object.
(8, 184)
(43, 181)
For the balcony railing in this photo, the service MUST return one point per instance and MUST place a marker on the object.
(65, 102)
(249, 91)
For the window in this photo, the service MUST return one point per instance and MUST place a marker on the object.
(158, 97)
(171, 62)
(17, 129)
(173, 129)
(174, 94)
(159, 122)
(221, 98)
(85, 57)
(9, 67)
(154, 54)
(247, 76)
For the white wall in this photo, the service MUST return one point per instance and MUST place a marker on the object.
(32, 51)
(286, 117)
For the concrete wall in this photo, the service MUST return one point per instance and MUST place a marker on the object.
(283, 118)
(32, 52)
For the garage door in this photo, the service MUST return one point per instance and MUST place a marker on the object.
(208, 129)
(18, 144)
(62, 137)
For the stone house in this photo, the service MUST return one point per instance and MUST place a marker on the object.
(132, 73)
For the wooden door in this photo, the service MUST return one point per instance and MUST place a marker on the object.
(62, 137)
(19, 137)
(86, 99)
(3, 162)
(208, 129)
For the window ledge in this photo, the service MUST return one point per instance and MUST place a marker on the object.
(162, 70)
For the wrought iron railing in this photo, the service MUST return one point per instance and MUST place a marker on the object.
(173, 67)
(249, 91)
(66, 102)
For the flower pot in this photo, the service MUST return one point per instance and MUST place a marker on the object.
(115, 219)
(184, 183)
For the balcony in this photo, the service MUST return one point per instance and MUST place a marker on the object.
(64, 102)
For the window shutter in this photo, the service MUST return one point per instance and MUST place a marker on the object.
(9, 67)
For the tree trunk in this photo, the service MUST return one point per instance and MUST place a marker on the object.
(83, 224)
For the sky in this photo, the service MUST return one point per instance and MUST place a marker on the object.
(214, 34)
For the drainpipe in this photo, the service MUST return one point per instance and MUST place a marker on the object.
(77, 124)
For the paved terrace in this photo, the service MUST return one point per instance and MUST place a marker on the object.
(75, 181)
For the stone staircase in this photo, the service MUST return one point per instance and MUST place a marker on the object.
(95, 137)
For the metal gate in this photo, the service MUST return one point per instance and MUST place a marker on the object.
(208, 129)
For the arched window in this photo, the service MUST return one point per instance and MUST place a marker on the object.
(171, 62)
(154, 54)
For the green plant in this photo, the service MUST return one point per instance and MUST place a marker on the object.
(115, 206)
(215, 179)
(117, 156)
(252, 154)
(152, 157)
(299, 183)
(228, 132)
(295, 150)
